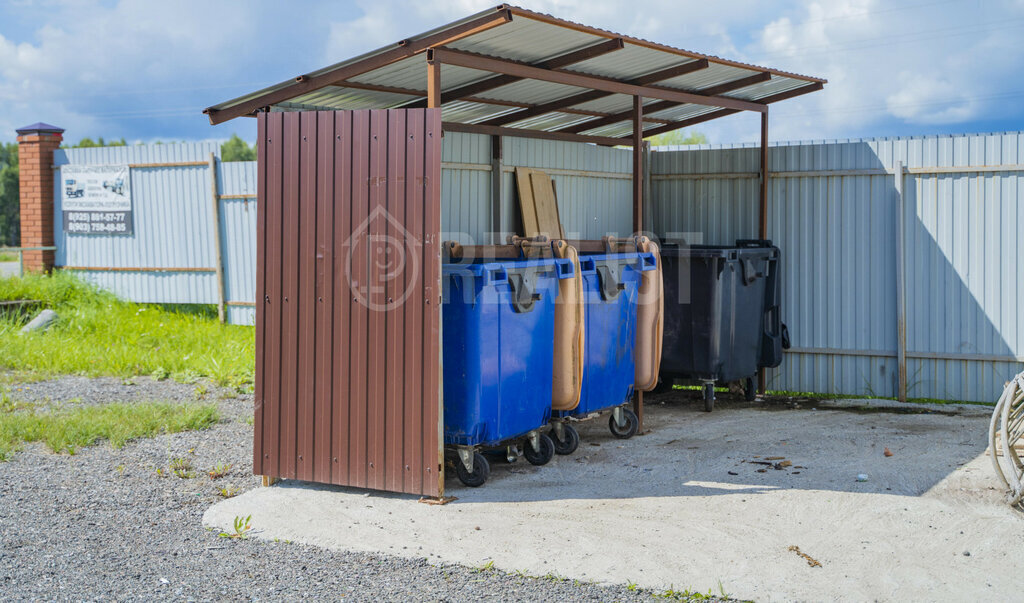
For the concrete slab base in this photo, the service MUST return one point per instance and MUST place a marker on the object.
(702, 502)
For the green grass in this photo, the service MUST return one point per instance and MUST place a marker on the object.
(99, 334)
(8, 256)
(68, 430)
(816, 396)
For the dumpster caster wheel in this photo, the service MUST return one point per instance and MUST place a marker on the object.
(709, 396)
(749, 389)
(542, 455)
(629, 426)
(570, 443)
(481, 471)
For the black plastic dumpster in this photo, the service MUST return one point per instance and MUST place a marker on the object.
(722, 315)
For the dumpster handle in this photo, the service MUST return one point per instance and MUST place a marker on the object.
(498, 275)
(586, 265)
(647, 262)
(564, 269)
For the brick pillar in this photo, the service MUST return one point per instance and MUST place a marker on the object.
(36, 144)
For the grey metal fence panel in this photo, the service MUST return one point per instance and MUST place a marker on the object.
(592, 183)
(173, 211)
(466, 188)
(172, 227)
(237, 185)
(832, 211)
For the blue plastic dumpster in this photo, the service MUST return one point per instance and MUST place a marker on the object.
(610, 283)
(498, 332)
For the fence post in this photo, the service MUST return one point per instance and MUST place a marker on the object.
(219, 256)
(36, 144)
(648, 210)
(901, 299)
(497, 203)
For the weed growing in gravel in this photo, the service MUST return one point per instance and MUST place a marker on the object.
(68, 430)
(182, 467)
(201, 391)
(242, 527)
(219, 470)
(229, 491)
(691, 595)
(485, 567)
(97, 334)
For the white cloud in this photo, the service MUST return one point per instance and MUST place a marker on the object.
(142, 69)
(894, 66)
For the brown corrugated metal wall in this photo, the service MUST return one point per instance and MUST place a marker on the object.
(349, 271)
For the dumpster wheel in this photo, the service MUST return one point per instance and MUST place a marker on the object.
(627, 428)
(569, 441)
(542, 453)
(749, 389)
(709, 396)
(481, 471)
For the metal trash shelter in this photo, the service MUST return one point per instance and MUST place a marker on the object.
(348, 339)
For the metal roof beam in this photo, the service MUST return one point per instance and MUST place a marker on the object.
(585, 97)
(404, 49)
(580, 80)
(662, 105)
(470, 99)
(716, 114)
(526, 133)
(490, 83)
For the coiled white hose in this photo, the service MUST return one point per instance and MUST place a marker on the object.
(1007, 426)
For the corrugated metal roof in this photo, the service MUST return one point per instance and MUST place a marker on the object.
(523, 37)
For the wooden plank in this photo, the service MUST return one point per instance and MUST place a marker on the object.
(546, 206)
(527, 207)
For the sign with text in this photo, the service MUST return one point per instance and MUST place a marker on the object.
(96, 199)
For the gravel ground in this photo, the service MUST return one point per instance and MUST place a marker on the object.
(102, 524)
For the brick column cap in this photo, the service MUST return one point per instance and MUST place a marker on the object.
(39, 128)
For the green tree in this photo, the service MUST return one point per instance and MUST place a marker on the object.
(10, 205)
(236, 149)
(88, 143)
(677, 137)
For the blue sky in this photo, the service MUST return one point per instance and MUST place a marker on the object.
(144, 70)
